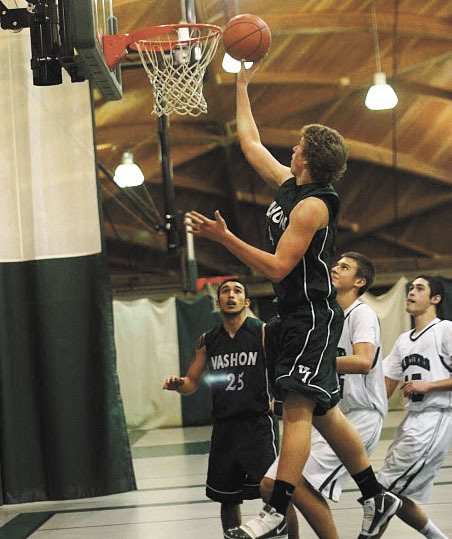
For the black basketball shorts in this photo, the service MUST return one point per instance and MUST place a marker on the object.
(242, 450)
(304, 356)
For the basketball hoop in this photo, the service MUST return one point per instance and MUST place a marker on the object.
(175, 57)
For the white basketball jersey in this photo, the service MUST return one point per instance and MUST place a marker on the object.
(362, 391)
(425, 356)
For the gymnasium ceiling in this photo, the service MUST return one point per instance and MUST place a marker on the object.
(397, 192)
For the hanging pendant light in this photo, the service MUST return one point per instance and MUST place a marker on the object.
(381, 95)
(128, 174)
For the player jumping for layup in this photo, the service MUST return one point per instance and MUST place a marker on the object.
(363, 400)
(301, 229)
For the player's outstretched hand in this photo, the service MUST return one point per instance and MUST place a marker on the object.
(245, 75)
(200, 225)
(173, 383)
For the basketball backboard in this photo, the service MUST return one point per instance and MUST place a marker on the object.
(67, 34)
(90, 20)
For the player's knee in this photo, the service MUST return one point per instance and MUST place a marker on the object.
(266, 488)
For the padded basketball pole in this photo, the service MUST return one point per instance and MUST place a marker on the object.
(172, 236)
(171, 229)
(188, 13)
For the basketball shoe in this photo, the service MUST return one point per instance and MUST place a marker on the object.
(377, 512)
(269, 524)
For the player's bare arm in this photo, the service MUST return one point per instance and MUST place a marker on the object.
(420, 387)
(270, 169)
(189, 383)
(391, 386)
(306, 218)
(360, 362)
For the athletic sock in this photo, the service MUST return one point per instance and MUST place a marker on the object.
(432, 532)
(367, 483)
(281, 496)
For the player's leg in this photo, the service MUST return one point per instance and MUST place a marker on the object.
(414, 516)
(344, 439)
(295, 446)
(325, 476)
(315, 510)
(379, 505)
(266, 488)
(412, 463)
(296, 439)
(224, 477)
(230, 516)
(308, 340)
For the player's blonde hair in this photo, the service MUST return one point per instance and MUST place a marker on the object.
(325, 152)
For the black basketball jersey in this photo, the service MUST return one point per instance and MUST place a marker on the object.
(238, 374)
(310, 279)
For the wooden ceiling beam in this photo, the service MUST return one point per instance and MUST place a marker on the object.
(147, 131)
(420, 209)
(184, 154)
(405, 244)
(356, 82)
(414, 25)
(134, 235)
(341, 83)
(190, 184)
(428, 90)
(339, 22)
(371, 153)
(139, 238)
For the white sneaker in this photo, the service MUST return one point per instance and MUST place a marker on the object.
(269, 524)
(377, 512)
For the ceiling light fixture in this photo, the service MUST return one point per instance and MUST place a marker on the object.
(128, 174)
(381, 95)
(231, 65)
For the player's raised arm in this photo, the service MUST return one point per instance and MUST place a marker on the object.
(185, 385)
(270, 169)
(306, 218)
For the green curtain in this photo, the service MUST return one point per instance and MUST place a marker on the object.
(62, 424)
(193, 319)
(446, 304)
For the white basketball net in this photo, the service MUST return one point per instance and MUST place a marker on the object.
(177, 73)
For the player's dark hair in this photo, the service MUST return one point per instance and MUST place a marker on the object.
(436, 286)
(232, 281)
(325, 152)
(365, 269)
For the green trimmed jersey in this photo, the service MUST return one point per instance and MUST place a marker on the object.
(237, 371)
(310, 280)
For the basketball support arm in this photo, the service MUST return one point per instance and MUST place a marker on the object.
(14, 19)
(50, 39)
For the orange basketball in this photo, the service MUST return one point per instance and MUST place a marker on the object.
(247, 37)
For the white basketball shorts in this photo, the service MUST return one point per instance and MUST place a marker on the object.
(417, 452)
(323, 469)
